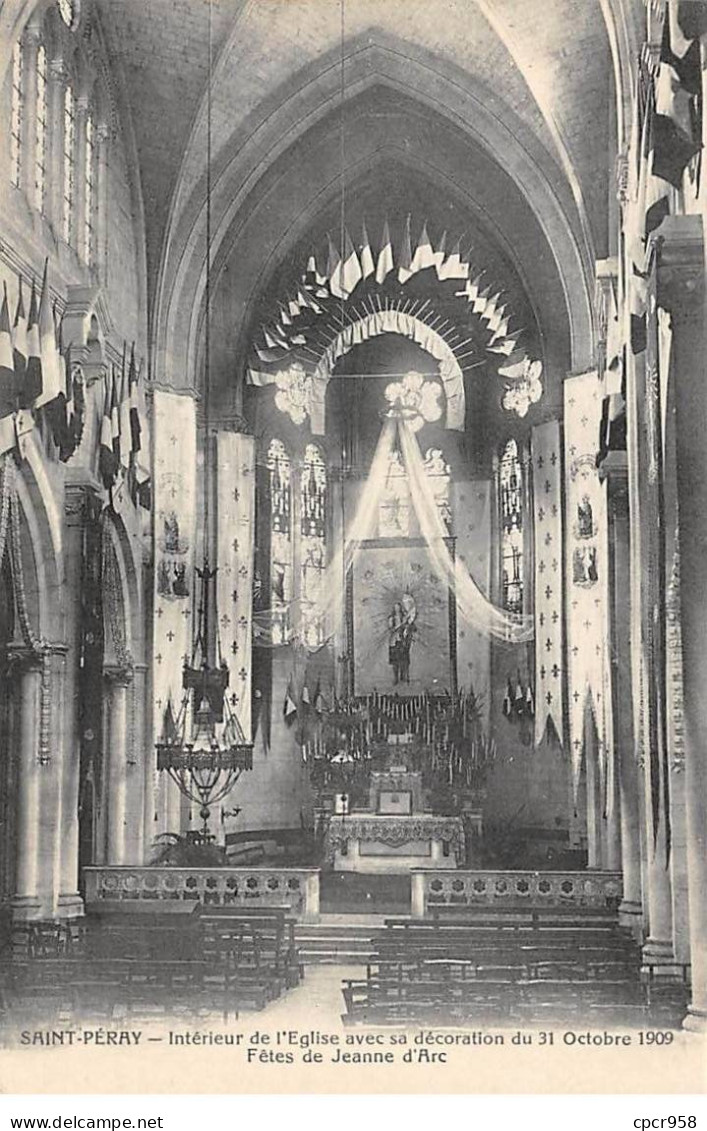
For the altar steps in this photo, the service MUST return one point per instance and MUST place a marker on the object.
(338, 940)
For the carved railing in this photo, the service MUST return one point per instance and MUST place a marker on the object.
(513, 889)
(296, 888)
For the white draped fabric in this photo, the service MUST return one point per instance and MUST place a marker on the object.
(472, 605)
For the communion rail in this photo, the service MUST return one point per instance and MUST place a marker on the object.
(433, 891)
(294, 888)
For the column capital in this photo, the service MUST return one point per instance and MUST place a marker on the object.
(119, 675)
(57, 70)
(33, 34)
(677, 248)
(80, 498)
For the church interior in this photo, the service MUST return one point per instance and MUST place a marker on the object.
(352, 526)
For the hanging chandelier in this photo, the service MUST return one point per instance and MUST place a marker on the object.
(202, 746)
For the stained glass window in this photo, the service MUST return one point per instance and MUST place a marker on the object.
(67, 9)
(17, 111)
(511, 499)
(89, 190)
(40, 134)
(313, 502)
(69, 163)
(394, 507)
(438, 472)
(281, 549)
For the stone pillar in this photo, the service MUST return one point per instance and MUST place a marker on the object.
(83, 108)
(135, 758)
(76, 501)
(26, 902)
(101, 233)
(54, 200)
(681, 290)
(118, 679)
(615, 471)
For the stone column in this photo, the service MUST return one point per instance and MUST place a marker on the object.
(681, 290)
(103, 135)
(57, 79)
(615, 471)
(26, 903)
(118, 679)
(76, 499)
(83, 108)
(135, 758)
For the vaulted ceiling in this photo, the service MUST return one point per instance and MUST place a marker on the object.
(498, 114)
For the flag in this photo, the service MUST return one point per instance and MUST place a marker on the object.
(8, 401)
(677, 84)
(19, 343)
(385, 256)
(32, 384)
(334, 269)
(57, 409)
(107, 462)
(453, 268)
(508, 700)
(125, 437)
(424, 256)
(440, 253)
(115, 419)
(405, 258)
(351, 273)
(318, 700)
(134, 403)
(368, 267)
(289, 709)
(50, 376)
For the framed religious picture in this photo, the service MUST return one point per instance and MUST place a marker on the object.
(400, 620)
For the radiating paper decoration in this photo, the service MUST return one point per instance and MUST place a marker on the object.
(174, 426)
(546, 455)
(586, 571)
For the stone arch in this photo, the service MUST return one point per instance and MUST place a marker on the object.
(240, 172)
(41, 524)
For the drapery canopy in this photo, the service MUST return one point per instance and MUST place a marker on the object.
(472, 605)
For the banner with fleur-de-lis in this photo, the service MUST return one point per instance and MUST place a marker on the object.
(235, 494)
(546, 454)
(174, 430)
(586, 571)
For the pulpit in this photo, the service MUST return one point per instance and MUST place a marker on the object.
(394, 834)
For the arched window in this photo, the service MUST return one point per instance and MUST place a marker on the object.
(89, 188)
(510, 475)
(396, 512)
(69, 164)
(394, 507)
(40, 133)
(438, 472)
(281, 548)
(313, 548)
(17, 112)
(67, 10)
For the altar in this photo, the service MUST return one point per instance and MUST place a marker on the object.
(394, 834)
(381, 842)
